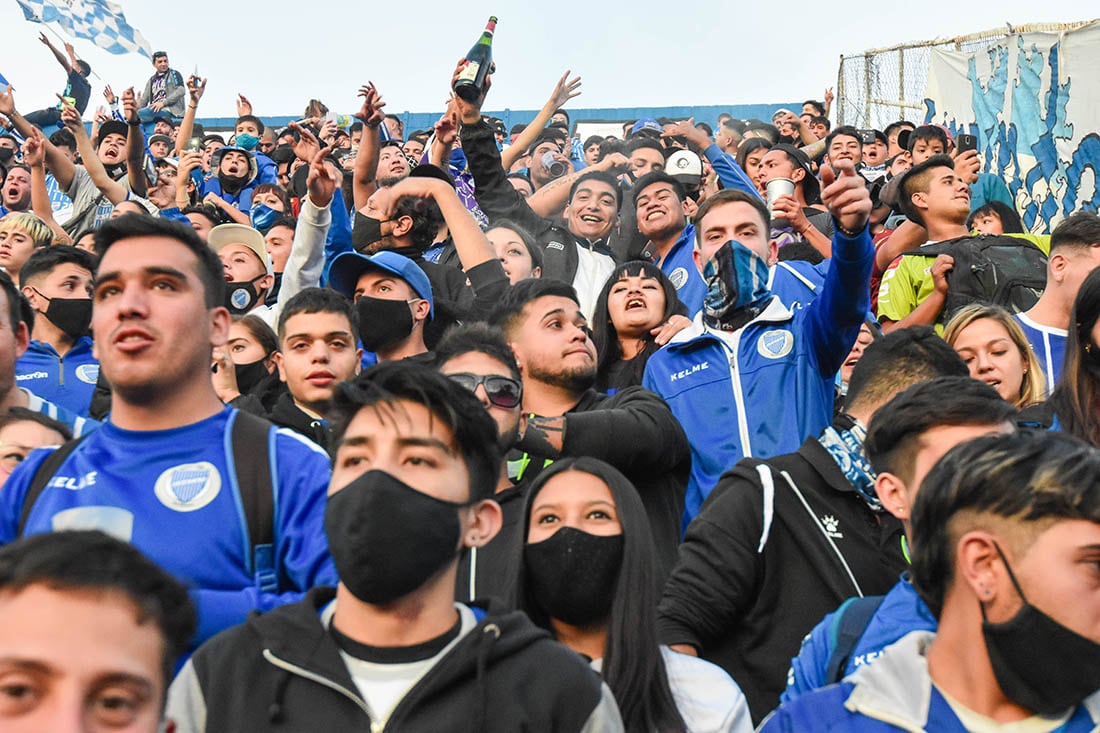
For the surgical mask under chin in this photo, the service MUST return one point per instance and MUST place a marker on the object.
(736, 279)
(263, 216)
(242, 296)
(246, 141)
(1040, 664)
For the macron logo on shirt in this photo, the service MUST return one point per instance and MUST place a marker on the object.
(31, 375)
(693, 369)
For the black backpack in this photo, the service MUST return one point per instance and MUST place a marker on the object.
(251, 447)
(1007, 271)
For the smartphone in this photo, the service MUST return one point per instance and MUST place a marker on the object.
(194, 145)
(963, 143)
(867, 137)
(903, 139)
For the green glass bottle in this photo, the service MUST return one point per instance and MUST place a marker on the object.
(471, 80)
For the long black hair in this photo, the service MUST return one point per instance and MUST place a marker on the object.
(632, 664)
(606, 338)
(1076, 398)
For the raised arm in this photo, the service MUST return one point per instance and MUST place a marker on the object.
(135, 145)
(725, 167)
(34, 155)
(366, 160)
(564, 90)
(195, 89)
(112, 189)
(65, 59)
(549, 200)
(62, 168)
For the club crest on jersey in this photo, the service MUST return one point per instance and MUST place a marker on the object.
(775, 344)
(189, 486)
(679, 277)
(88, 373)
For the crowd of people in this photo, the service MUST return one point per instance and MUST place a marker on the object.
(765, 423)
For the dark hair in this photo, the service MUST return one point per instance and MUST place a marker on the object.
(1022, 478)
(19, 309)
(897, 125)
(821, 120)
(44, 260)
(63, 138)
(1076, 397)
(705, 128)
(606, 338)
(845, 130)
(1080, 229)
(1010, 220)
(426, 216)
(204, 210)
(800, 250)
(522, 177)
(84, 66)
(607, 178)
(91, 561)
(279, 191)
(917, 180)
(250, 118)
(818, 106)
(927, 133)
(509, 311)
(592, 140)
(750, 146)
(658, 177)
(261, 331)
(317, 300)
(285, 221)
(160, 55)
(474, 430)
(632, 664)
(561, 111)
(22, 414)
(528, 239)
(898, 360)
(637, 143)
(128, 226)
(476, 337)
(549, 134)
(729, 196)
(893, 437)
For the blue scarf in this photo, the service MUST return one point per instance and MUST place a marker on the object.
(846, 448)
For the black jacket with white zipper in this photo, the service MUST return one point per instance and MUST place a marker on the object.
(776, 546)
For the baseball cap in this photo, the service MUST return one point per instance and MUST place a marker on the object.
(111, 127)
(160, 139)
(646, 126)
(685, 166)
(811, 187)
(347, 268)
(224, 235)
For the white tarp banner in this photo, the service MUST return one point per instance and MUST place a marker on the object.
(1033, 102)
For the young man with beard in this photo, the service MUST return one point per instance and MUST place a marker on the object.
(750, 377)
(1007, 530)
(416, 463)
(164, 472)
(476, 356)
(633, 429)
(59, 364)
(163, 91)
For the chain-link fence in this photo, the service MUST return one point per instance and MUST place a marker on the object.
(877, 87)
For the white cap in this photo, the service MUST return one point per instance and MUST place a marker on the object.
(224, 235)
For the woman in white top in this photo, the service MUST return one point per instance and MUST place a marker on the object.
(589, 577)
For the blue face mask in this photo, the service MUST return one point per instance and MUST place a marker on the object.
(246, 141)
(263, 216)
(736, 278)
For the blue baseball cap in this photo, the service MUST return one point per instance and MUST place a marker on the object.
(644, 125)
(347, 268)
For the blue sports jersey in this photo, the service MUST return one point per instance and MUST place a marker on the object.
(173, 494)
(67, 380)
(1049, 345)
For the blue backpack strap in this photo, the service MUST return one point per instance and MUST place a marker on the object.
(849, 623)
(41, 479)
(253, 461)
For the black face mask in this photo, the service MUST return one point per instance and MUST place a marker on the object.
(71, 315)
(573, 574)
(6, 154)
(383, 322)
(366, 231)
(1040, 664)
(387, 539)
(250, 375)
(241, 297)
(116, 170)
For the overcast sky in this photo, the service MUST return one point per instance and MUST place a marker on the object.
(645, 53)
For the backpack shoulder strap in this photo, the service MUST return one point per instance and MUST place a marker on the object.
(42, 476)
(252, 459)
(850, 622)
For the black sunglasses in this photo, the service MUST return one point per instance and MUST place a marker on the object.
(501, 391)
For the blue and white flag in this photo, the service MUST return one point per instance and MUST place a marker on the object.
(99, 21)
